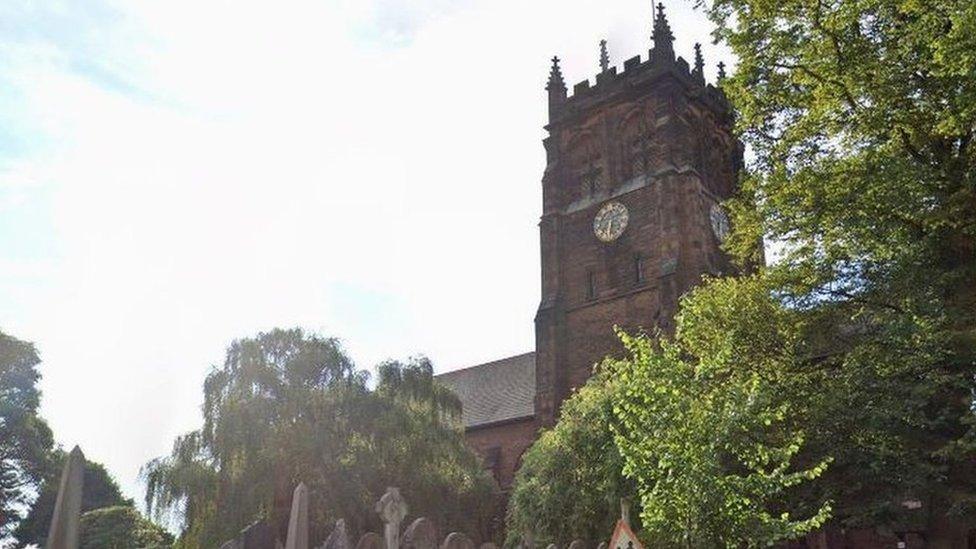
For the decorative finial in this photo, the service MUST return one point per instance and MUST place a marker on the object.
(699, 71)
(662, 36)
(556, 88)
(604, 57)
(721, 71)
(555, 76)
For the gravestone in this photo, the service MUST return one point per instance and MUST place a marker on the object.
(392, 510)
(258, 535)
(63, 533)
(552, 546)
(338, 539)
(421, 534)
(457, 540)
(577, 544)
(370, 540)
(603, 545)
(298, 519)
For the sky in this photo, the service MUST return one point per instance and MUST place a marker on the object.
(175, 175)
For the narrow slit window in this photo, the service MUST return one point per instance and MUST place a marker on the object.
(591, 285)
(639, 269)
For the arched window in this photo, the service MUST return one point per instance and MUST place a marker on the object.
(636, 144)
(587, 163)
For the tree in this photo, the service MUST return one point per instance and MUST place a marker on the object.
(860, 116)
(571, 479)
(120, 527)
(287, 407)
(708, 425)
(100, 490)
(25, 438)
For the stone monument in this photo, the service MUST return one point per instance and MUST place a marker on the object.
(298, 519)
(63, 533)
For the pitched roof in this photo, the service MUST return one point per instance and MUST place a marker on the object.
(495, 391)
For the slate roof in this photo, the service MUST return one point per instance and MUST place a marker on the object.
(495, 391)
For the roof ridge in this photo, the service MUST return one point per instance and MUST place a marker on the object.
(485, 363)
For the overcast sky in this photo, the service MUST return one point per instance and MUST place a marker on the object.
(178, 174)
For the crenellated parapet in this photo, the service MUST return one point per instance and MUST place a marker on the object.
(636, 75)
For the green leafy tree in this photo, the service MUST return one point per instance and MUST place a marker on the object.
(860, 116)
(120, 527)
(100, 490)
(288, 407)
(707, 423)
(571, 481)
(25, 438)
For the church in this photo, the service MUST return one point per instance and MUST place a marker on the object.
(637, 165)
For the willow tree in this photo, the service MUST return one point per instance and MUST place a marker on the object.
(860, 116)
(288, 407)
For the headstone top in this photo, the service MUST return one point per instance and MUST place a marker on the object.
(457, 540)
(338, 539)
(421, 534)
(370, 540)
(392, 507)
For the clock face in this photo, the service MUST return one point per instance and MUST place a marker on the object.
(720, 222)
(610, 221)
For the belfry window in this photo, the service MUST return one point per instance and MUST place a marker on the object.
(591, 181)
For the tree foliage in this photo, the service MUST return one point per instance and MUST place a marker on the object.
(25, 438)
(860, 116)
(120, 527)
(288, 407)
(707, 423)
(100, 490)
(571, 481)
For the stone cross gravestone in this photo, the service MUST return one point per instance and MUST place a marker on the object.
(63, 533)
(392, 510)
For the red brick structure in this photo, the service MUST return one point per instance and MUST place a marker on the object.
(637, 164)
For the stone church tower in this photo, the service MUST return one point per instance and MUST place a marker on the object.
(636, 167)
(637, 164)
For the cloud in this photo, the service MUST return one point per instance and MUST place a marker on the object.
(182, 173)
